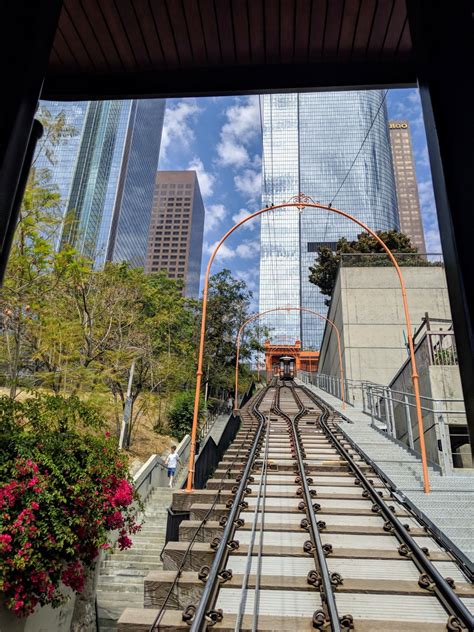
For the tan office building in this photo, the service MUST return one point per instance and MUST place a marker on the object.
(176, 228)
(405, 181)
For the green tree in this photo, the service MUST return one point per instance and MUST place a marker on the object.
(32, 272)
(180, 416)
(228, 307)
(324, 271)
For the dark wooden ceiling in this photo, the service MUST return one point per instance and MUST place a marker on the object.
(171, 47)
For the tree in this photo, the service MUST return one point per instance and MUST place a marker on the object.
(324, 271)
(32, 272)
(228, 307)
(180, 416)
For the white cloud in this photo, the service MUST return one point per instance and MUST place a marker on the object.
(430, 219)
(241, 127)
(250, 276)
(215, 213)
(249, 184)
(177, 128)
(242, 214)
(225, 252)
(248, 249)
(232, 153)
(432, 241)
(206, 179)
(245, 250)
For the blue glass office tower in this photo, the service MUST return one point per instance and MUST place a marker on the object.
(309, 143)
(61, 163)
(110, 201)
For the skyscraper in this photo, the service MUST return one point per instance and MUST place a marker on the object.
(309, 144)
(109, 205)
(176, 229)
(61, 163)
(405, 180)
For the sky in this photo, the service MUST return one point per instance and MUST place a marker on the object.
(220, 138)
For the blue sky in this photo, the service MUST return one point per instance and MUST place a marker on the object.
(220, 137)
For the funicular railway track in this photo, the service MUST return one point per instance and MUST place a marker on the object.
(312, 538)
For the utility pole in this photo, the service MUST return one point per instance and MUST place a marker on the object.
(127, 412)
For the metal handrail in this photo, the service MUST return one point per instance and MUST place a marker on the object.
(382, 404)
(443, 590)
(203, 522)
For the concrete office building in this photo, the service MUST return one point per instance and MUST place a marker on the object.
(111, 193)
(405, 181)
(176, 229)
(310, 141)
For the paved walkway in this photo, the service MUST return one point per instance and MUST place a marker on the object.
(450, 505)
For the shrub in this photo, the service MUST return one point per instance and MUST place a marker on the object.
(63, 489)
(180, 416)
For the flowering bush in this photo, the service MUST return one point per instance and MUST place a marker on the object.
(63, 490)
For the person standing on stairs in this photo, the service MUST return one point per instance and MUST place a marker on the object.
(171, 463)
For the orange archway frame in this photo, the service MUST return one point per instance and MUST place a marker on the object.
(300, 202)
(288, 309)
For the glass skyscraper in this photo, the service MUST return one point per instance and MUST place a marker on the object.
(111, 194)
(309, 143)
(62, 159)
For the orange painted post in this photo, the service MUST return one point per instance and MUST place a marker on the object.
(300, 202)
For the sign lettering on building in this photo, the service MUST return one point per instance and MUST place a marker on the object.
(398, 125)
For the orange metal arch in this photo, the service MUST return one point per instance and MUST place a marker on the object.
(289, 309)
(300, 202)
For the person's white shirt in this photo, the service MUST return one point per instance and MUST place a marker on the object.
(172, 460)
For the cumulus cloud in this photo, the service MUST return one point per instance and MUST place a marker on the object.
(248, 249)
(242, 214)
(245, 250)
(178, 126)
(430, 219)
(232, 153)
(241, 127)
(215, 213)
(249, 184)
(225, 251)
(206, 179)
(250, 276)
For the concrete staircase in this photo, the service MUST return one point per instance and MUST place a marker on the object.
(450, 505)
(121, 578)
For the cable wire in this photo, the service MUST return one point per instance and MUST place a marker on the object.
(360, 148)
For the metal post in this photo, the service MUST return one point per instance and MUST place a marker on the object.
(371, 405)
(446, 456)
(392, 413)
(411, 443)
(127, 411)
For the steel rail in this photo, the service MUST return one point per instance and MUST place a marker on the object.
(446, 595)
(211, 586)
(463, 562)
(160, 614)
(256, 602)
(243, 598)
(327, 594)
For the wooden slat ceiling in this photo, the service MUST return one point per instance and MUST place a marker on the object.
(116, 42)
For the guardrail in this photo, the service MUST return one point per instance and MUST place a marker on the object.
(394, 411)
(154, 472)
